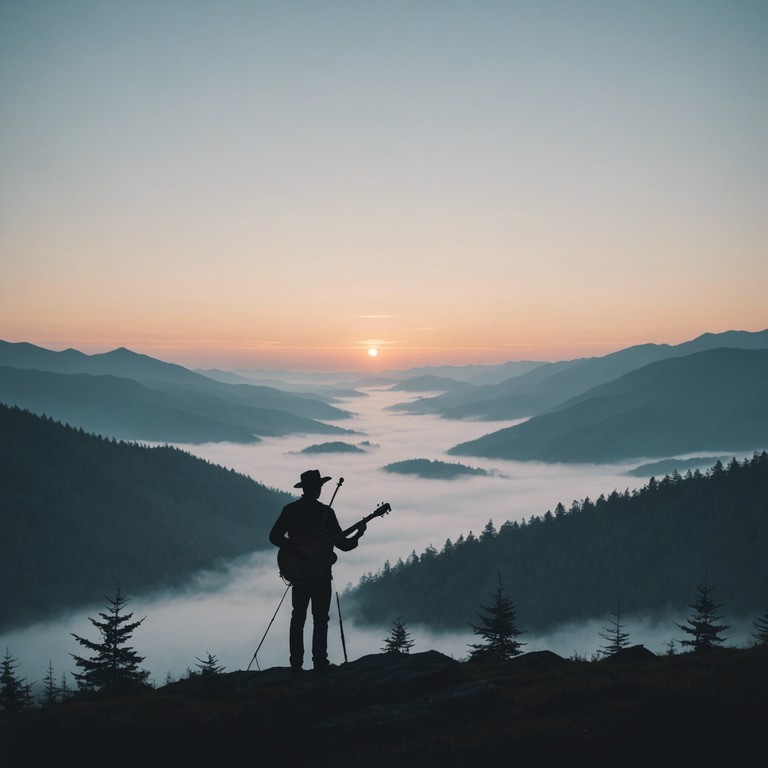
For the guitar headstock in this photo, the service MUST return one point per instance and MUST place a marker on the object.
(382, 509)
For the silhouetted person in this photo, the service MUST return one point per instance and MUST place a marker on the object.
(305, 532)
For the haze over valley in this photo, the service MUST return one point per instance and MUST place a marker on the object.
(222, 600)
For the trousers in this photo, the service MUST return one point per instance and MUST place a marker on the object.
(318, 593)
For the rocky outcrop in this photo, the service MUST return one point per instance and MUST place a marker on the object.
(419, 709)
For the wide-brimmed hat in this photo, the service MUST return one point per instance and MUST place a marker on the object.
(311, 478)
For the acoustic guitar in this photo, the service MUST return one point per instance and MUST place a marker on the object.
(305, 558)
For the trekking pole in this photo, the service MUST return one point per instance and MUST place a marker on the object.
(341, 628)
(267, 630)
(338, 485)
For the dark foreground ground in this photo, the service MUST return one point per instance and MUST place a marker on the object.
(424, 709)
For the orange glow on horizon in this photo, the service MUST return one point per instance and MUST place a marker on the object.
(228, 354)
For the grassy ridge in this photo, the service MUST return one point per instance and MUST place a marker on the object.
(696, 709)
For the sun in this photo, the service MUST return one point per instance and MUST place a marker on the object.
(373, 351)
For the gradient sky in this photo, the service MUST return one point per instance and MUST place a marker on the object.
(285, 184)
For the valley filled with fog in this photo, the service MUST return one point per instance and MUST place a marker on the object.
(227, 612)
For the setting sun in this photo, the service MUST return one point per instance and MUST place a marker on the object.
(373, 351)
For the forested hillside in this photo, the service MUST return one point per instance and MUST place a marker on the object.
(649, 548)
(78, 513)
(702, 402)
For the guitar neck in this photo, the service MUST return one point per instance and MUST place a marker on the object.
(382, 510)
(352, 528)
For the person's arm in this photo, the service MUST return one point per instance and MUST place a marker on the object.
(277, 535)
(345, 545)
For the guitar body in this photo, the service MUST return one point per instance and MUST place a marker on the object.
(305, 559)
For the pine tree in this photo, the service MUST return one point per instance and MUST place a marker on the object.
(705, 633)
(14, 693)
(210, 666)
(64, 689)
(50, 689)
(28, 699)
(399, 639)
(489, 531)
(114, 665)
(616, 638)
(761, 625)
(498, 629)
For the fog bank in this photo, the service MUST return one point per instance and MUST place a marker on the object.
(227, 612)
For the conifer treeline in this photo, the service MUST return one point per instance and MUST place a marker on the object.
(650, 546)
(80, 512)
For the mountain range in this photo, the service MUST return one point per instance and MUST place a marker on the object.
(637, 402)
(550, 384)
(131, 396)
(713, 400)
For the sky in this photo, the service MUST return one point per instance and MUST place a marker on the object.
(288, 184)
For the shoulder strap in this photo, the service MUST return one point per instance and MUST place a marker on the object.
(325, 515)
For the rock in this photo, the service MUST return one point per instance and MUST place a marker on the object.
(393, 677)
(631, 654)
(538, 660)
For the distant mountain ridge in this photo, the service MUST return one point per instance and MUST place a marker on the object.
(80, 513)
(551, 384)
(431, 383)
(329, 392)
(712, 400)
(120, 362)
(180, 405)
(478, 375)
(132, 396)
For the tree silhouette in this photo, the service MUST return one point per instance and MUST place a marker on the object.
(114, 665)
(498, 629)
(761, 625)
(14, 692)
(399, 639)
(489, 531)
(64, 690)
(616, 638)
(705, 633)
(50, 689)
(209, 666)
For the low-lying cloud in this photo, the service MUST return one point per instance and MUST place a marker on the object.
(227, 612)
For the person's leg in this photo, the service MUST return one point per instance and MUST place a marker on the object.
(321, 605)
(300, 601)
